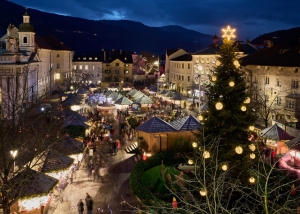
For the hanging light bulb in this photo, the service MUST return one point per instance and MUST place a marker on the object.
(224, 167)
(247, 100)
(219, 106)
(252, 156)
(231, 83)
(194, 144)
(203, 192)
(243, 108)
(191, 161)
(252, 147)
(239, 150)
(251, 128)
(206, 154)
(252, 180)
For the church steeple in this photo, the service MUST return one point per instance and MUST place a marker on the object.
(26, 34)
(215, 40)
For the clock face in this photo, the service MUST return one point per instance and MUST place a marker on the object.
(213, 60)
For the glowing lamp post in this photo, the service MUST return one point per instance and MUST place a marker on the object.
(14, 154)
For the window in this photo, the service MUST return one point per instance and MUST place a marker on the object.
(182, 78)
(57, 55)
(189, 66)
(267, 80)
(278, 83)
(207, 60)
(57, 76)
(117, 64)
(86, 67)
(182, 66)
(90, 58)
(296, 70)
(84, 58)
(117, 72)
(280, 68)
(126, 72)
(202, 60)
(58, 66)
(258, 67)
(93, 67)
(294, 84)
(278, 100)
(290, 104)
(96, 58)
(107, 71)
(126, 65)
(80, 67)
(74, 67)
(266, 67)
(25, 40)
(189, 78)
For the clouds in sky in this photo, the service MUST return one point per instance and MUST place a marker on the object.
(251, 18)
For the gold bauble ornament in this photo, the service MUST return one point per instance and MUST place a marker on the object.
(239, 150)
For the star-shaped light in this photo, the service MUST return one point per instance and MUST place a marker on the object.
(228, 33)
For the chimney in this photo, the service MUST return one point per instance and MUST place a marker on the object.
(120, 51)
(104, 56)
(270, 44)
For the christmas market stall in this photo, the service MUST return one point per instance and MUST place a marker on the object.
(276, 138)
(161, 135)
(33, 190)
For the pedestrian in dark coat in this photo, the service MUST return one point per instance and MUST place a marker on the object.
(80, 206)
(89, 203)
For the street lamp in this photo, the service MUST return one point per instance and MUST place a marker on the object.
(14, 154)
(198, 69)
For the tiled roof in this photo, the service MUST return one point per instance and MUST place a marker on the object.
(278, 55)
(275, 133)
(51, 43)
(187, 123)
(69, 146)
(37, 183)
(132, 92)
(155, 125)
(185, 57)
(55, 161)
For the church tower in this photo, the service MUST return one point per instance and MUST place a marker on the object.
(26, 35)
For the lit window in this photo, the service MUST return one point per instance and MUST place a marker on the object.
(90, 58)
(96, 58)
(57, 76)
(86, 67)
(80, 67)
(74, 66)
(84, 58)
(126, 72)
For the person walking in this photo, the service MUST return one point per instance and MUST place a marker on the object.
(89, 203)
(80, 206)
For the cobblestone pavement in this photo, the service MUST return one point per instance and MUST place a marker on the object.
(108, 191)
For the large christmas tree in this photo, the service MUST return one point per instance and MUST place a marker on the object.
(229, 116)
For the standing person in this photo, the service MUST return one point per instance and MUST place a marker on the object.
(89, 203)
(273, 154)
(80, 206)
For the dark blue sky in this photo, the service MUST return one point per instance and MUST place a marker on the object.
(250, 18)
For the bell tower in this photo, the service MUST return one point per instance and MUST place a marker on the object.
(26, 35)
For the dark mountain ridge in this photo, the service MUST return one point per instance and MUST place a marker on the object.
(87, 36)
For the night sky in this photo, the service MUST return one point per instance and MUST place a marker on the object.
(250, 18)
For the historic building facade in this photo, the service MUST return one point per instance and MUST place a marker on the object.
(273, 76)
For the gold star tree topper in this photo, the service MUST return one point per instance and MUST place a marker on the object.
(228, 33)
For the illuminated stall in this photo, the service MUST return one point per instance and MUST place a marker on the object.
(36, 194)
